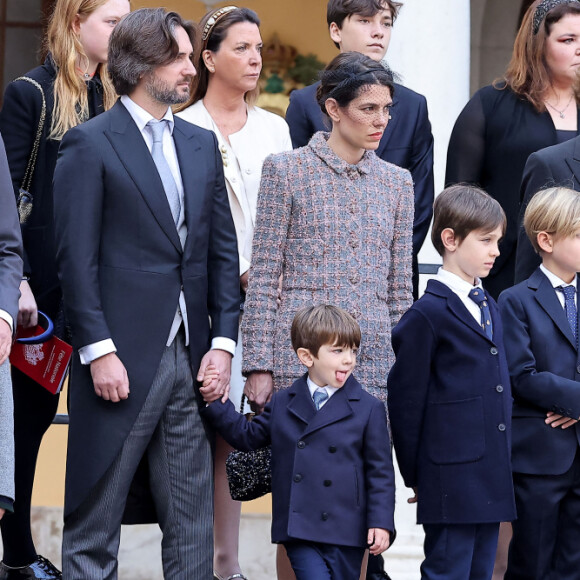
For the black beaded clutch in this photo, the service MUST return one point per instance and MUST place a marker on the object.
(249, 473)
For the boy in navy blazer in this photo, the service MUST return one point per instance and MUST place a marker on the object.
(449, 395)
(333, 489)
(541, 337)
(365, 26)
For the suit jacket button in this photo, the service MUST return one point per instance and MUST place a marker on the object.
(297, 478)
(501, 427)
(493, 350)
(332, 449)
(499, 389)
(301, 445)
(578, 369)
(327, 483)
(324, 516)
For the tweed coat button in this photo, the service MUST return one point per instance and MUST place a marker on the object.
(324, 516)
(332, 449)
(301, 445)
(499, 388)
(501, 427)
(493, 350)
(297, 478)
(353, 243)
(327, 483)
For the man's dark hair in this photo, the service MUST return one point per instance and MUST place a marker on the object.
(338, 10)
(142, 41)
(465, 208)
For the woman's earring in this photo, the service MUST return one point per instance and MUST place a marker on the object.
(211, 69)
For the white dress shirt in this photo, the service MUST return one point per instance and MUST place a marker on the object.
(462, 288)
(312, 386)
(555, 281)
(5, 316)
(141, 118)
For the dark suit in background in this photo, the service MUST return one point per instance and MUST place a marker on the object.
(407, 142)
(558, 165)
(491, 141)
(544, 364)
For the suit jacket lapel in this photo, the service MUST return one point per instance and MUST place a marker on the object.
(574, 162)
(128, 143)
(546, 297)
(301, 404)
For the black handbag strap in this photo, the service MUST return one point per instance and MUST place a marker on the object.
(27, 180)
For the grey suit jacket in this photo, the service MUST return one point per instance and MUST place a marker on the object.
(10, 276)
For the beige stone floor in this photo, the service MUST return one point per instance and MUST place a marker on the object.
(139, 557)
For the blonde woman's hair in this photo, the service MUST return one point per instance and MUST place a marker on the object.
(71, 105)
(555, 211)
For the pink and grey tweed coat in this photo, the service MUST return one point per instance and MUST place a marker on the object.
(339, 234)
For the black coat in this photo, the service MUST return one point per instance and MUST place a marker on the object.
(122, 268)
(492, 139)
(19, 121)
(554, 166)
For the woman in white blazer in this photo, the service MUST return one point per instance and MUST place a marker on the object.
(226, 86)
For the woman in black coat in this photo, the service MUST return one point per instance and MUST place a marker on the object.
(534, 106)
(75, 87)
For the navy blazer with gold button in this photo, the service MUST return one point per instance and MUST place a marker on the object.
(332, 471)
(544, 365)
(450, 410)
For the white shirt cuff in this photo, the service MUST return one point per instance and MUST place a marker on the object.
(5, 316)
(96, 350)
(223, 343)
(244, 265)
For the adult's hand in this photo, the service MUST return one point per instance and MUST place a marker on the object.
(110, 378)
(222, 361)
(258, 389)
(27, 309)
(1, 513)
(244, 280)
(5, 340)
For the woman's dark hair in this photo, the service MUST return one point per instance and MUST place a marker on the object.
(346, 74)
(142, 41)
(213, 42)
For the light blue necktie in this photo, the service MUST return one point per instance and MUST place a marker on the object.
(478, 296)
(319, 397)
(157, 128)
(570, 306)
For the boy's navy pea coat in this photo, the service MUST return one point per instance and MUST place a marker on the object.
(332, 471)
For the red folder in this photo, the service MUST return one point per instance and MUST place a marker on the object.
(46, 363)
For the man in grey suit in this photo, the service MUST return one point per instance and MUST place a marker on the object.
(10, 277)
(147, 256)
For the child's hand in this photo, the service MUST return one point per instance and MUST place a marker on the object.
(555, 420)
(414, 498)
(378, 540)
(210, 386)
(2, 511)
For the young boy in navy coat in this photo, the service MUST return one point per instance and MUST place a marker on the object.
(333, 490)
(449, 395)
(541, 336)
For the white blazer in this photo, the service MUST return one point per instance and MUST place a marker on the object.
(263, 134)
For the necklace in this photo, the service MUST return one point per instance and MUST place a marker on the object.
(561, 113)
(86, 76)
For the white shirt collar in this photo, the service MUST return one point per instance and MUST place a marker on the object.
(555, 281)
(312, 386)
(142, 117)
(456, 283)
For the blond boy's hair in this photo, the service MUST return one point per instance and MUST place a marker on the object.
(555, 211)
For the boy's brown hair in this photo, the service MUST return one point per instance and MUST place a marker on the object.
(555, 211)
(465, 208)
(314, 326)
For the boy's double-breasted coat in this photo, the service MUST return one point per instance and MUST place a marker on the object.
(332, 472)
(450, 407)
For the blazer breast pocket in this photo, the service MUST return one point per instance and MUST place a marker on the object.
(456, 431)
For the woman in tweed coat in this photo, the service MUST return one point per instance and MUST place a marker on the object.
(335, 222)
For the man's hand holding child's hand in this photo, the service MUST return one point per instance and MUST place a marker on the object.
(210, 388)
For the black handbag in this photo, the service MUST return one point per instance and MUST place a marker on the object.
(249, 473)
(25, 200)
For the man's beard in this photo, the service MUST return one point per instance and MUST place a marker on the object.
(162, 92)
